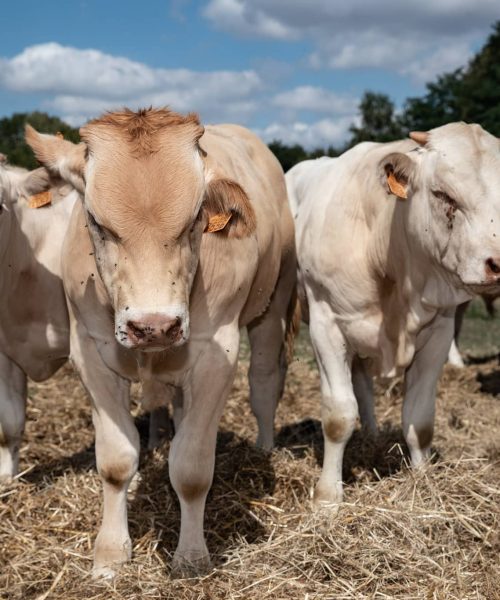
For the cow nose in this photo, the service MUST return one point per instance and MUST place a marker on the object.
(153, 330)
(492, 267)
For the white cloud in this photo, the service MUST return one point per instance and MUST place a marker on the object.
(315, 99)
(319, 134)
(241, 17)
(419, 39)
(82, 83)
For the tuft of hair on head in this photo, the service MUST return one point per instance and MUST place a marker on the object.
(141, 128)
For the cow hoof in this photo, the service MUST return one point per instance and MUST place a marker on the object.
(264, 444)
(186, 566)
(134, 486)
(103, 573)
(107, 560)
(327, 500)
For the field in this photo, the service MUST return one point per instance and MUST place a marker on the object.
(432, 534)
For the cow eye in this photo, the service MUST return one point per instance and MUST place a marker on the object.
(196, 221)
(101, 230)
(444, 197)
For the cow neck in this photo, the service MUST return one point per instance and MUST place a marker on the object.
(409, 284)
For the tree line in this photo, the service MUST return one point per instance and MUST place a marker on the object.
(470, 94)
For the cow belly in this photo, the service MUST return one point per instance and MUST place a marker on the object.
(368, 339)
(39, 349)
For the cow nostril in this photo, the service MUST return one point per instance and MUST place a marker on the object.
(493, 266)
(136, 330)
(172, 328)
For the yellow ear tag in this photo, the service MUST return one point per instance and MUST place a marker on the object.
(41, 199)
(217, 222)
(396, 188)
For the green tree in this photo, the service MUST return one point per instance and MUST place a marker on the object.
(480, 86)
(288, 155)
(12, 142)
(470, 94)
(378, 120)
(440, 105)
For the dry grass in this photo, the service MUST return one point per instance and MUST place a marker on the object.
(400, 534)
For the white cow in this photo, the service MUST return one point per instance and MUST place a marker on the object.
(390, 239)
(34, 324)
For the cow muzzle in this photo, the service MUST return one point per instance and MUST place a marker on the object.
(492, 270)
(151, 332)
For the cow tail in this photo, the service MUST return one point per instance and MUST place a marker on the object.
(293, 318)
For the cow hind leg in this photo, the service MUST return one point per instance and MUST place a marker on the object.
(12, 415)
(271, 341)
(192, 453)
(363, 390)
(339, 409)
(116, 447)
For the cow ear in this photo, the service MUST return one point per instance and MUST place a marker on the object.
(396, 172)
(228, 209)
(59, 156)
(36, 182)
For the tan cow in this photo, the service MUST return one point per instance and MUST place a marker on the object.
(390, 239)
(34, 324)
(153, 297)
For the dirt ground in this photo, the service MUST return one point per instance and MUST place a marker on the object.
(399, 534)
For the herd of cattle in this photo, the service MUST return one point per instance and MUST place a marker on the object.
(160, 239)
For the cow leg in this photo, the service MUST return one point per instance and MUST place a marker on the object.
(12, 415)
(160, 428)
(155, 398)
(363, 390)
(116, 448)
(421, 379)
(454, 356)
(192, 453)
(339, 409)
(268, 359)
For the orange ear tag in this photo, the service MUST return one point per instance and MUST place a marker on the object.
(217, 222)
(396, 188)
(41, 199)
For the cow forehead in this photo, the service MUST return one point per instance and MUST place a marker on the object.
(162, 189)
(465, 146)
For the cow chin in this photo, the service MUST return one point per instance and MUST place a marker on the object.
(482, 288)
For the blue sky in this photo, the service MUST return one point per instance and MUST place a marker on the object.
(289, 69)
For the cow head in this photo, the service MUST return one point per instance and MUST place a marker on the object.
(451, 181)
(15, 183)
(147, 197)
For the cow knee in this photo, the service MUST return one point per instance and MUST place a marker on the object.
(189, 483)
(338, 425)
(119, 471)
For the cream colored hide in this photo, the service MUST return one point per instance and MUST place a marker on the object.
(382, 274)
(34, 325)
(153, 297)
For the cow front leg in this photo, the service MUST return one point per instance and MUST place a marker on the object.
(421, 379)
(339, 409)
(192, 453)
(116, 448)
(12, 415)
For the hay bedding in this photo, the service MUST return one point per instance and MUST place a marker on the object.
(400, 534)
